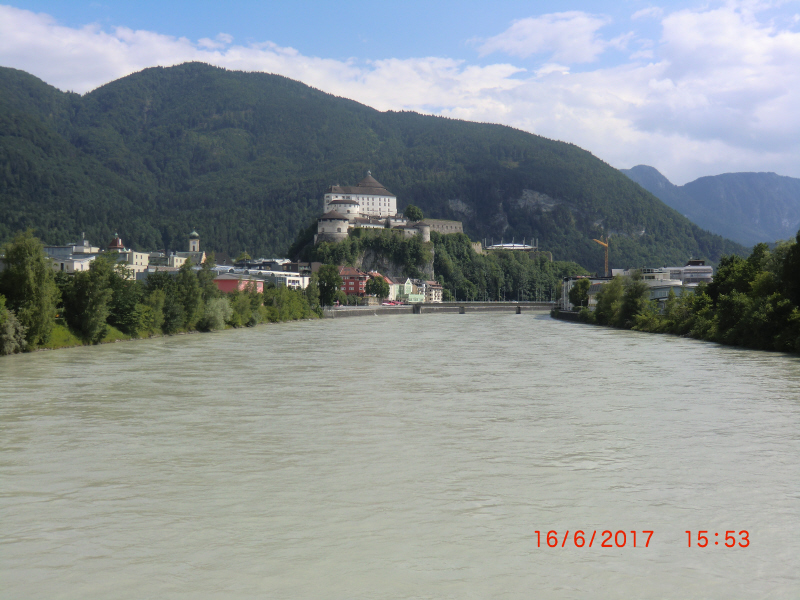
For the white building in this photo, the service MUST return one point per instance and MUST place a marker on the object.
(372, 198)
(695, 271)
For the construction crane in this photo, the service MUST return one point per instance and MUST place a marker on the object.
(604, 245)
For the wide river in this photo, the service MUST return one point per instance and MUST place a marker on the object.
(410, 456)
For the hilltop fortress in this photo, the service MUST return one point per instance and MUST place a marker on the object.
(370, 205)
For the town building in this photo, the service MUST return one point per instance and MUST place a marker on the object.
(354, 282)
(135, 262)
(433, 292)
(72, 258)
(231, 282)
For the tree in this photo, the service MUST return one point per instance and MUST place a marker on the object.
(609, 299)
(579, 294)
(312, 292)
(413, 213)
(12, 333)
(635, 300)
(87, 300)
(188, 293)
(330, 282)
(28, 284)
(790, 272)
(217, 312)
(377, 286)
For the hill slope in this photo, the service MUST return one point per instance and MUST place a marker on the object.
(244, 158)
(746, 207)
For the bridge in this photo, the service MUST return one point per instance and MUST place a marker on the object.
(439, 307)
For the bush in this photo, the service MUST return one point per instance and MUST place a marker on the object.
(216, 314)
(12, 332)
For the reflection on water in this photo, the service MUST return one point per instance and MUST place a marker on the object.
(399, 457)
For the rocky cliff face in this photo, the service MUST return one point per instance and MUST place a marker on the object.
(372, 261)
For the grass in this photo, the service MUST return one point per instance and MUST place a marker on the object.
(62, 337)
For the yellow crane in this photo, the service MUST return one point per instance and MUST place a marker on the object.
(604, 245)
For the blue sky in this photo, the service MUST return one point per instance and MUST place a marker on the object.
(692, 88)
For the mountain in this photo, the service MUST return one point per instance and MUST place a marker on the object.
(746, 207)
(244, 158)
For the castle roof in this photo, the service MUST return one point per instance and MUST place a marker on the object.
(194, 235)
(334, 216)
(366, 187)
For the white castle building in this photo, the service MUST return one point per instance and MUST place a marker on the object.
(367, 199)
(370, 205)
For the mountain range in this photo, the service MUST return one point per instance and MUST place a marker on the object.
(245, 158)
(746, 207)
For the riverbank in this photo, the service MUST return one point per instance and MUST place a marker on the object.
(61, 337)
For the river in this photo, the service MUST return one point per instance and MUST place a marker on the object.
(410, 456)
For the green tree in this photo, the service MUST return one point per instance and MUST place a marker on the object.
(28, 284)
(609, 299)
(217, 313)
(154, 311)
(790, 272)
(579, 294)
(312, 292)
(635, 299)
(189, 294)
(88, 298)
(413, 213)
(125, 309)
(377, 286)
(330, 282)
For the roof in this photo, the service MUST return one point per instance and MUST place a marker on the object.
(116, 243)
(194, 235)
(351, 272)
(334, 216)
(367, 186)
(235, 276)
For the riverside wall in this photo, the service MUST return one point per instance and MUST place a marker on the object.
(443, 307)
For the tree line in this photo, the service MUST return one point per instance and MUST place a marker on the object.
(36, 301)
(752, 302)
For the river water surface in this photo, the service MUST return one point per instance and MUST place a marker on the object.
(410, 456)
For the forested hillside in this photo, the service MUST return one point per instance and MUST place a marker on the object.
(746, 207)
(244, 159)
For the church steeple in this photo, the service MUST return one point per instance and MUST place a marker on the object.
(194, 242)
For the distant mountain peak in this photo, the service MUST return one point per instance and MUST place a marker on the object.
(746, 207)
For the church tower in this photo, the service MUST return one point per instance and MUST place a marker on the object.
(194, 242)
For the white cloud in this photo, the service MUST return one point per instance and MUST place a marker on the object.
(718, 93)
(569, 37)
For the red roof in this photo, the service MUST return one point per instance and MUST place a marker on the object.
(351, 272)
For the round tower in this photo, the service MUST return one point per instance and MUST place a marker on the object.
(425, 232)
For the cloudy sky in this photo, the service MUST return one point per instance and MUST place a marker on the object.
(691, 88)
